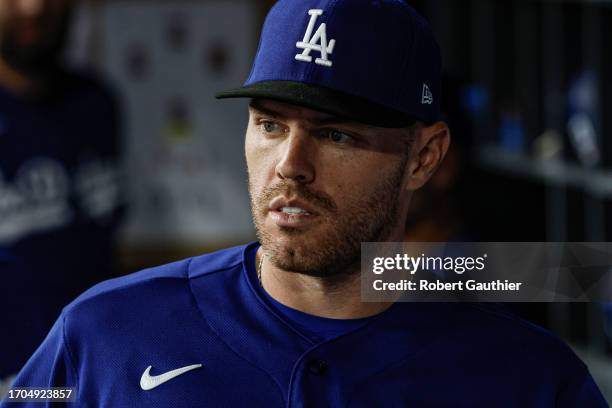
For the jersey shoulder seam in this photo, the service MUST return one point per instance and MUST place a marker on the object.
(514, 319)
(82, 299)
(536, 330)
(192, 274)
(71, 359)
(210, 272)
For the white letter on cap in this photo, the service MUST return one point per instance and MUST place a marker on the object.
(311, 42)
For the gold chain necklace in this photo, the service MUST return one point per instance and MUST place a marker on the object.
(259, 270)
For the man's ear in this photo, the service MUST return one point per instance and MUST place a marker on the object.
(429, 148)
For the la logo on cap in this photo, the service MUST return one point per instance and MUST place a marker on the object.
(317, 42)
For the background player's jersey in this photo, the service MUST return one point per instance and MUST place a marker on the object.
(209, 310)
(59, 204)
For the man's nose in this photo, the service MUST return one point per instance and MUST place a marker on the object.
(296, 162)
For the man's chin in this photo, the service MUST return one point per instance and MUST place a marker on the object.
(295, 252)
(294, 245)
(308, 256)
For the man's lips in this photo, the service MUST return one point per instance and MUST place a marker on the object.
(284, 219)
(280, 203)
(293, 213)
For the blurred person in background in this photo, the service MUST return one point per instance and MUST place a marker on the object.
(59, 192)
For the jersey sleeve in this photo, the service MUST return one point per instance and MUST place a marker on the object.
(581, 391)
(50, 366)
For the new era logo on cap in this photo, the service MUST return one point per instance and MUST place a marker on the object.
(427, 98)
(374, 61)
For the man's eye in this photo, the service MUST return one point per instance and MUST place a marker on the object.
(339, 137)
(270, 127)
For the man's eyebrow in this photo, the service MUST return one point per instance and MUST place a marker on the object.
(256, 105)
(323, 121)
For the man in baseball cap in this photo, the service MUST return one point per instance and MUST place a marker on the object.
(342, 130)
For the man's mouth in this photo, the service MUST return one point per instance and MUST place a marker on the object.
(292, 213)
(294, 210)
(292, 206)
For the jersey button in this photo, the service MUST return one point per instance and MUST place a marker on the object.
(317, 367)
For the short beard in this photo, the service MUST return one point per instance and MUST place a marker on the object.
(337, 255)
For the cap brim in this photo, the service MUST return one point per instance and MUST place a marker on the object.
(324, 99)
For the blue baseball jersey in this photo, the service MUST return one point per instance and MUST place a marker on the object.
(199, 333)
(60, 201)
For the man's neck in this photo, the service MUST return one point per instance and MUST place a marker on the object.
(334, 299)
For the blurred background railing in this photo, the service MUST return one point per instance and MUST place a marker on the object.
(535, 80)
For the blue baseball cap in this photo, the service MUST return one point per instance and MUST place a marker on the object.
(372, 61)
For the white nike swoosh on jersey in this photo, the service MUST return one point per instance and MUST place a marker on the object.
(148, 381)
